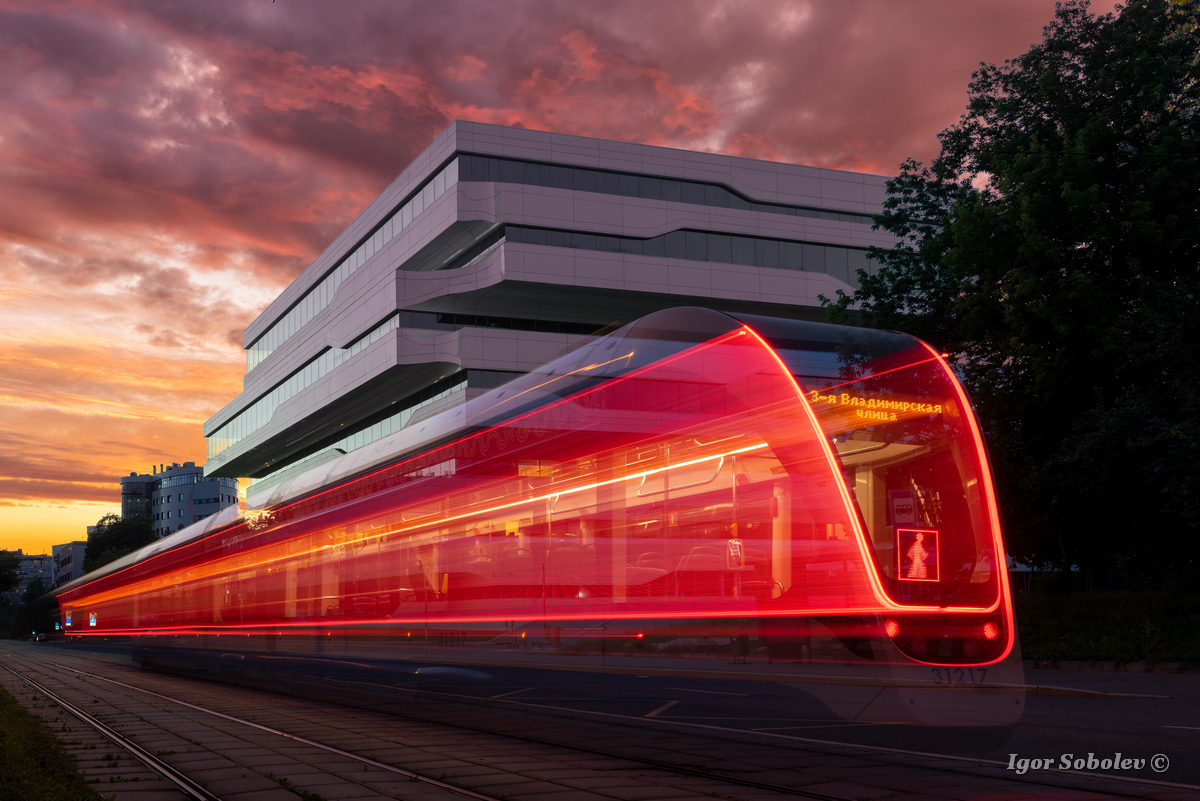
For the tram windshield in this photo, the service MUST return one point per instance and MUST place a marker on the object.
(895, 418)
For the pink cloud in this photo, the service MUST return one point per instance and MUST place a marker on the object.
(168, 169)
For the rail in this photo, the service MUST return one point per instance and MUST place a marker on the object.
(189, 787)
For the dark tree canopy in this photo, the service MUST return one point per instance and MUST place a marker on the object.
(10, 575)
(113, 537)
(34, 590)
(35, 610)
(1053, 247)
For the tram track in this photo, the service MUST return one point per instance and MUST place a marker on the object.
(190, 788)
(808, 748)
(665, 767)
(878, 759)
(676, 769)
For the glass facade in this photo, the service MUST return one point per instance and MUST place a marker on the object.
(436, 321)
(135, 495)
(840, 262)
(371, 430)
(319, 297)
(392, 423)
(398, 420)
(649, 187)
(257, 414)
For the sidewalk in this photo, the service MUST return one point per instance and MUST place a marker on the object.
(1179, 686)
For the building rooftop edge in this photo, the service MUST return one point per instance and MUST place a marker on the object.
(681, 153)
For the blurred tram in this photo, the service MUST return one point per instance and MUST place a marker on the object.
(725, 476)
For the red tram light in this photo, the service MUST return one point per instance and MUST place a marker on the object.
(892, 627)
(990, 630)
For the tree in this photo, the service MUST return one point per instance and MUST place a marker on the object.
(36, 612)
(10, 574)
(113, 537)
(36, 589)
(1053, 247)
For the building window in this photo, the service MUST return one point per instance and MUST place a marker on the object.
(840, 262)
(587, 179)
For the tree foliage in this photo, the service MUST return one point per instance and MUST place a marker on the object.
(113, 537)
(35, 610)
(10, 575)
(1053, 248)
(34, 590)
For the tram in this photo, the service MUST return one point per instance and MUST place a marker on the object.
(727, 477)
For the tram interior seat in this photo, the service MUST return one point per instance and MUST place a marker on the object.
(654, 561)
(515, 561)
(702, 558)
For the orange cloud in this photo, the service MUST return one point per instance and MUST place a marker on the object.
(465, 68)
(167, 170)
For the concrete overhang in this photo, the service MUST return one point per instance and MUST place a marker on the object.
(611, 287)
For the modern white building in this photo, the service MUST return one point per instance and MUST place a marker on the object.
(497, 250)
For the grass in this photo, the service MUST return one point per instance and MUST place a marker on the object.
(1118, 627)
(33, 764)
(288, 785)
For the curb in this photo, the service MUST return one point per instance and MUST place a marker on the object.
(791, 678)
(1108, 667)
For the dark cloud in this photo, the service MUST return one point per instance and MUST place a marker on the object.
(169, 167)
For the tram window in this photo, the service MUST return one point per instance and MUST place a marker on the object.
(897, 428)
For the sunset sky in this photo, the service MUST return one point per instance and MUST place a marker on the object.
(168, 167)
